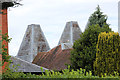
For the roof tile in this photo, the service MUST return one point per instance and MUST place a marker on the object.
(55, 59)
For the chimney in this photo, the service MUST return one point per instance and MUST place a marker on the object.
(4, 4)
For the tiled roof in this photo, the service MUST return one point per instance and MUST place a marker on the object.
(24, 66)
(55, 59)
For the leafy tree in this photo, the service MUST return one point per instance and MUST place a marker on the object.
(97, 18)
(13, 3)
(84, 49)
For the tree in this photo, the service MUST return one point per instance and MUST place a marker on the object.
(6, 4)
(97, 18)
(84, 49)
(107, 54)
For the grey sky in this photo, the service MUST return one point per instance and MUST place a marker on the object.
(52, 16)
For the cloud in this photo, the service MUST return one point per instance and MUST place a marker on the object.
(114, 28)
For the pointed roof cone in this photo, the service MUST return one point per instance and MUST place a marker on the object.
(71, 33)
(33, 42)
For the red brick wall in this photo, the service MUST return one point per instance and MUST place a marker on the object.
(4, 28)
(4, 25)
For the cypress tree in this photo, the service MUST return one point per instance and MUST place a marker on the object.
(107, 54)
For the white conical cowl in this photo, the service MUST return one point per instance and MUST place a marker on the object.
(33, 42)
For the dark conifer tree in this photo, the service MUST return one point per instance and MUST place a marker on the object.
(97, 18)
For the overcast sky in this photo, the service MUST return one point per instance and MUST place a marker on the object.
(52, 16)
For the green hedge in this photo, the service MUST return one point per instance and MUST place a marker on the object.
(108, 54)
(80, 74)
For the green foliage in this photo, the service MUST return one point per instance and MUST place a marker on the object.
(97, 18)
(107, 54)
(51, 74)
(66, 73)
(4, 51)
(84, 49)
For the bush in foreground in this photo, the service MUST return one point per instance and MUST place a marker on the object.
(80, 73)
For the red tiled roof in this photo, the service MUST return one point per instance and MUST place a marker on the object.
(54, 59)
